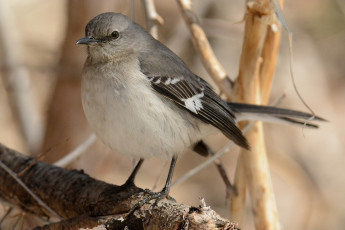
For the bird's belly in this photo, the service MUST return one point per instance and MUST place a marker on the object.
(138, 123)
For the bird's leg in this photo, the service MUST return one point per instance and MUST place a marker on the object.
(158, 195)
(130, 180)
(166, 189)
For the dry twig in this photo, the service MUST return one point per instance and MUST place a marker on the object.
(209, 160)
(77, 152)
(202, 46)
(152, 17)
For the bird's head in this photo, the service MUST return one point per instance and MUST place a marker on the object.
(111, 35)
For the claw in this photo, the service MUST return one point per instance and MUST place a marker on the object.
(157, 196)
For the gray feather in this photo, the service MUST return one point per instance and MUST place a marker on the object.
(164, 66)
(273, 114)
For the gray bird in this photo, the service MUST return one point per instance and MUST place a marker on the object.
(143, 101)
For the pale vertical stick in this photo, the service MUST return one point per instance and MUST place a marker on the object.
(18, 80)
(269, 55)
(238, 201)
(152, 17)
(255, 164)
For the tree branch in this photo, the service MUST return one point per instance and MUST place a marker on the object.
(202, 46)
(152, 17)
(257, 64)
(86, 202)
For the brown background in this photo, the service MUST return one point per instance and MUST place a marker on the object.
(307, 165)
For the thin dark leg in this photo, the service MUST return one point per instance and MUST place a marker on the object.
(131, 178)
(166, 188)
(158, 195)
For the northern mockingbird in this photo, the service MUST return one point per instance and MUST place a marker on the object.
(143, 101)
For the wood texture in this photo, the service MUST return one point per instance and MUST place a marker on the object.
(85, 202)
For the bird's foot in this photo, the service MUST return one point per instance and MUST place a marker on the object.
(157, 196)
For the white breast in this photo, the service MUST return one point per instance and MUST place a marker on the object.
(130, 118)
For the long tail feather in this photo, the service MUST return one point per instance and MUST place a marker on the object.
(273, 114)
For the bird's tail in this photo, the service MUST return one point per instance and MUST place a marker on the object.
(273, 114)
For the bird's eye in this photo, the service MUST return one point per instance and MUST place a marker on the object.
(115, 34)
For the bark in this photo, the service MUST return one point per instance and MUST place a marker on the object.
(84, 202)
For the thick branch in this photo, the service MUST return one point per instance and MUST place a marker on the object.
(253, 86)
(85, 202)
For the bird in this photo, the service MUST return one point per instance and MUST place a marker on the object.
(143, 101)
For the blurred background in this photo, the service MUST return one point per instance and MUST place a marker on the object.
(41, 113)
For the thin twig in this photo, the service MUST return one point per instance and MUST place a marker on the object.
(20, 182)
(210, 160)
(214, 157)
(202, 46)
(5, 215)
(179, 40)
(20, 215)
(152, 17)
(230, 189)
(280, 16)
(239, 201)
(39, 157)
(77, 152)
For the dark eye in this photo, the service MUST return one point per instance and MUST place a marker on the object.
(115, 34)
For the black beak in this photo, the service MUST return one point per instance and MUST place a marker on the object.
(86, 41)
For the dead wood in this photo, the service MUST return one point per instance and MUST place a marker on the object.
(84, 202)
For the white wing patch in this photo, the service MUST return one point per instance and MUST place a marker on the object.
(171, 81)
(194, 103)
(168, 81)
(184, 91)
(174, 81)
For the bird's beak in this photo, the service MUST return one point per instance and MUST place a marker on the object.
(86, 41)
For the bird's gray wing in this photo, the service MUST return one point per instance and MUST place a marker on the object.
(170, 77)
